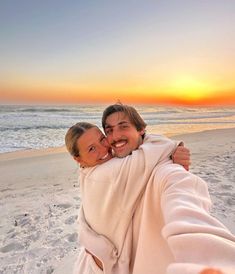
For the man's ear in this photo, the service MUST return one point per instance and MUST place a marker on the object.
(142, 131)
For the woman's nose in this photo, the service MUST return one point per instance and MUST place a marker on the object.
(103, 147)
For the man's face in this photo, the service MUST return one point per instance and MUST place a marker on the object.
(121, 134)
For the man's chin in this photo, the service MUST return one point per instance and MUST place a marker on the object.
(122, 154)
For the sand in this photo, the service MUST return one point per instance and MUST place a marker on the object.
(39, 200)
(39, 203)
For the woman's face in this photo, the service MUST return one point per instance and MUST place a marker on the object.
(93, 148)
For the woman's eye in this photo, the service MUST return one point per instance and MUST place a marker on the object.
(91, 149)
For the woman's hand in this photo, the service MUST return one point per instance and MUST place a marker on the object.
(211, 271)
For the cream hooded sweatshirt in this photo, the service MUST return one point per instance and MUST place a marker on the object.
(143, 214)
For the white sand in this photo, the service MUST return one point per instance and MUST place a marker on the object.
(39, 203)
(39, 200)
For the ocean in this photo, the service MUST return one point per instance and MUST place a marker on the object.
(24, 127)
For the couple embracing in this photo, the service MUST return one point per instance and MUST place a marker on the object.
(142, 210)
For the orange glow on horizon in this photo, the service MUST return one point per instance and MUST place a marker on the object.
(84, 96)
(179, 91)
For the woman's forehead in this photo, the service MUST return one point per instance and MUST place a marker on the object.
(89, 137)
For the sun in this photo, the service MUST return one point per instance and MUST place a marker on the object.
(189, 89)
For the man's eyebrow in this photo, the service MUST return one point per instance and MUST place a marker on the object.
(120, 123)
(123, 122)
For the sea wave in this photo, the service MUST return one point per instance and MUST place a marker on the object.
(32, 127)
(26, 127)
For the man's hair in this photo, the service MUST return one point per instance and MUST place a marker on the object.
(73, 134)
(134, 117)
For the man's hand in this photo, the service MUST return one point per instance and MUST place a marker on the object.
(211, 271)
(181, 156)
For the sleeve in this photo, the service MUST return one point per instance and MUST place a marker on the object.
(196, 239)
(154, 137)
(137, 168)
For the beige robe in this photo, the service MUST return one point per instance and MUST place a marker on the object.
(143, 214)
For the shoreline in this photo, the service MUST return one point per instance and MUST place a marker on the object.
(28, 153)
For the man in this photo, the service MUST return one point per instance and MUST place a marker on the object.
(125, 131)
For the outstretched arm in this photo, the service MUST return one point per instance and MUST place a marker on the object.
(196, 239)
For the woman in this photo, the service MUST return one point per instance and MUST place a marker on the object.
(112, 191)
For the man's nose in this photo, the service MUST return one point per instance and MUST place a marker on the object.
(116, 134)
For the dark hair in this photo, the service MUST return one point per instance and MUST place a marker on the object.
(129, 111)
(73, 134)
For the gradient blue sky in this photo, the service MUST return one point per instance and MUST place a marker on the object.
(130, 50)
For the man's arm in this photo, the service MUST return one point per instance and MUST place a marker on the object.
(196, 239)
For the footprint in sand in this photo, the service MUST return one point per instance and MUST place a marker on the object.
(50, 270)
(63, 206)
(227, 187)
(6, 189)
(22, 220)
(72, 237)
(71, 220)
(231, 201)
(214, 180)
(15, 246)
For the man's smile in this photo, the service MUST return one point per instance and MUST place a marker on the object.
(119, 144)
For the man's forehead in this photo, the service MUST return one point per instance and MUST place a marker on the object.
(116, 119)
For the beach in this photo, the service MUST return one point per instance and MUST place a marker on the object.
(39, 199)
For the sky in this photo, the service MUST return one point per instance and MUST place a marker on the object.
(160, 52)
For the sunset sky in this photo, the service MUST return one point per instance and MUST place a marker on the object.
(163, 52)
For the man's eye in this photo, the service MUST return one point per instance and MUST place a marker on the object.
(108, 131)
(124, 126)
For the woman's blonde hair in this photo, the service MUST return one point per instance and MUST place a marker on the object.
(73, 134)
